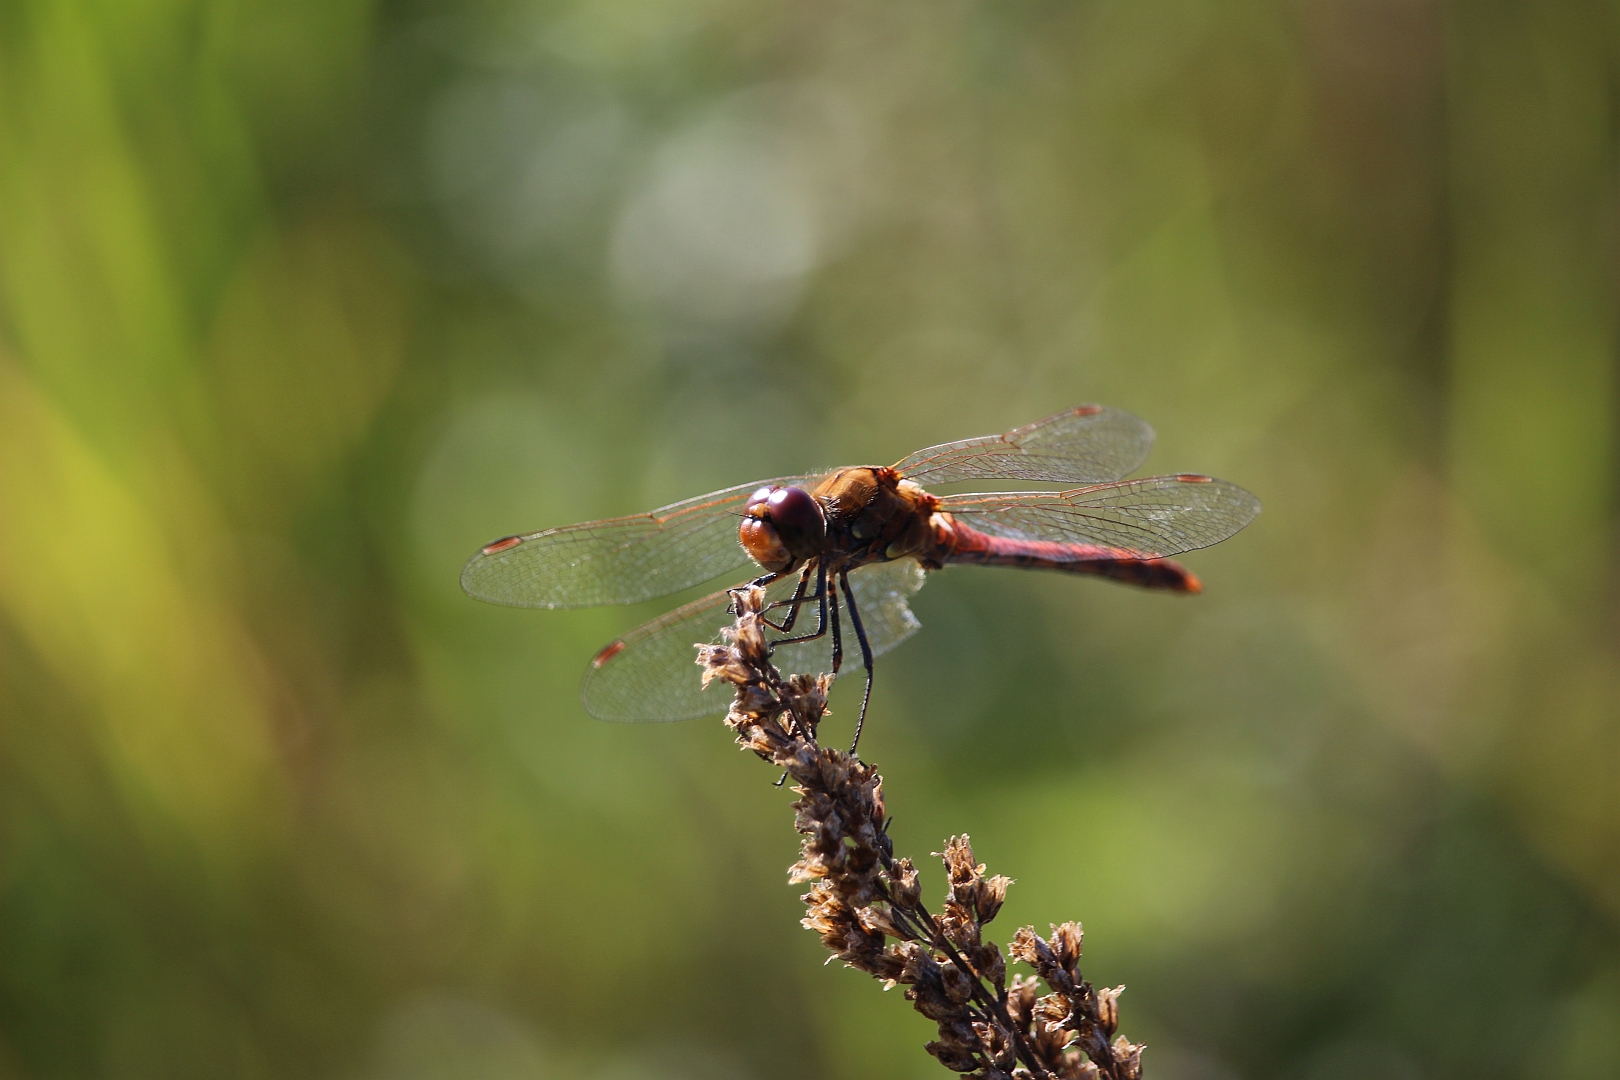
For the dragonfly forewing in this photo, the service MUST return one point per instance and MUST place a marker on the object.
(619, 560)
(1083, 445)
(651, 674)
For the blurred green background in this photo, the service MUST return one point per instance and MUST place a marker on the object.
(302, 301)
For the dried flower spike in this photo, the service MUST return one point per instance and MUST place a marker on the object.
(866, 904)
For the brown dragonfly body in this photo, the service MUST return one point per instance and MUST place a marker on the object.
(863, 537)
(873, 515)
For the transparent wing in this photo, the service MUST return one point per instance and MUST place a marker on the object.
(1083, 445)
(651, 673)
(620, 560)
(1149, 518)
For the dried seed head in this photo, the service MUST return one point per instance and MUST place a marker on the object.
(997, 1044)
(932, 1003)
(1026, 946)
(954, 1058)
(1066, 941)
(992, 894)
(1052, 1044)
(1127, 1059)
(806, 870)
(903, 883)
(1053, 1012)
(958, 986)
(957, 922)
(722, 662)
(1108, 1008)
(1021, 1000)
(920, 967)
(880, 921)
(958, 856)
(890, 966)
(988, 962)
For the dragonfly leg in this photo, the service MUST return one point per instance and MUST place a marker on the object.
(796, 602)
(838, 637)
(761, 581)
(866, 656)
(821, 617)
(822, 592)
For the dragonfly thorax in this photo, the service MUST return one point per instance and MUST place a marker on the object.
(874, 516)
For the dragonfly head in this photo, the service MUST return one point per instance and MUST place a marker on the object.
(782, 526)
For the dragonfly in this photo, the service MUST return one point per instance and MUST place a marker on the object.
(857, 543)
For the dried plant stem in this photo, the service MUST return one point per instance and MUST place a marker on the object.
(861, 896)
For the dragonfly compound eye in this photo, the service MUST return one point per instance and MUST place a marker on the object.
(798, 520)
(759, 539)
(758, 535)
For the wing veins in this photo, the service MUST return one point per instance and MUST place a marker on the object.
(1123, 514)
(1085, 444)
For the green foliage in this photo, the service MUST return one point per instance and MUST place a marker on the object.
(301, 302)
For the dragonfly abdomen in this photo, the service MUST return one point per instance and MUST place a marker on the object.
(968, 545)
